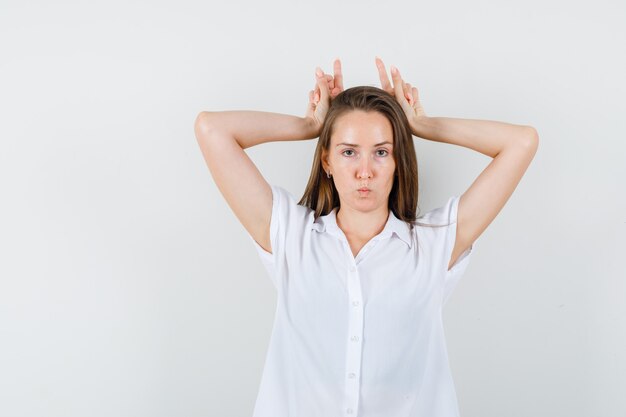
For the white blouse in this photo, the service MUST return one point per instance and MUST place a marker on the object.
(358, 336)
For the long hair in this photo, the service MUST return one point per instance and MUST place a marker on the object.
(321, 195)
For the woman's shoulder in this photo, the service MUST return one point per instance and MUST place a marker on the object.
(285, 207)
(441, 215)
(288, 200)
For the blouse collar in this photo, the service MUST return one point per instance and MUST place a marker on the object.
(328, 223)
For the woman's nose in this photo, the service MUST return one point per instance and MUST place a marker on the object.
(364, 168)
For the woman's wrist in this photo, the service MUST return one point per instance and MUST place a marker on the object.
(311, 128)
(420, 126)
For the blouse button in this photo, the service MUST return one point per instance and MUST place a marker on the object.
(355, 303)
(351, 375)
(355, 338)
(352, 269)
(349, 411)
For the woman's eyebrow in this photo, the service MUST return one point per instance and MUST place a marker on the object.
(357, 145)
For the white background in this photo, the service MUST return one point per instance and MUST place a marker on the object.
(128, 287)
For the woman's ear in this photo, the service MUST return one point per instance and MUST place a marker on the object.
(324, 159)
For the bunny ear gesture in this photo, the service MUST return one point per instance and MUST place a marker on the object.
(335, 84)
(406, 95)
(326, 89)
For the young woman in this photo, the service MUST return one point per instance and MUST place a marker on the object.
(361, 281)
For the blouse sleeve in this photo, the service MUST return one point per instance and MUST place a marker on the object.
(458, 269)
(440, 235)
(283, 204)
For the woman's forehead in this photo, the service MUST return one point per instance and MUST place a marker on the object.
(363, 143)
(361, 138)
(372, 126)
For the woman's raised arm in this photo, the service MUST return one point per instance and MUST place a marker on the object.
(223, 136)
(511, 146)
(249, 127)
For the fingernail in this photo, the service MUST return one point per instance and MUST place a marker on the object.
(394, 70)
(318, 72)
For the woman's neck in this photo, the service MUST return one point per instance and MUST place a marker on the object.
(361, 225)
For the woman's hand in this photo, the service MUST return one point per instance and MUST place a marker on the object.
(326, 89)
(406, 95)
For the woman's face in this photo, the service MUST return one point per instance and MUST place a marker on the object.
(361, 155)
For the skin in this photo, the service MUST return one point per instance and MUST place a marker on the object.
(354, 162)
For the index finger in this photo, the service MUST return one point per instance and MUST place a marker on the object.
(338, 74)
(382, 73)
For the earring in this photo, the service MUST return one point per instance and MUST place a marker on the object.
(328, 174)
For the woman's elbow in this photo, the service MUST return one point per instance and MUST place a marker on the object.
(204, 124)
(531, 139)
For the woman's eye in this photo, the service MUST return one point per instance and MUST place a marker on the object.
(380, 150)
